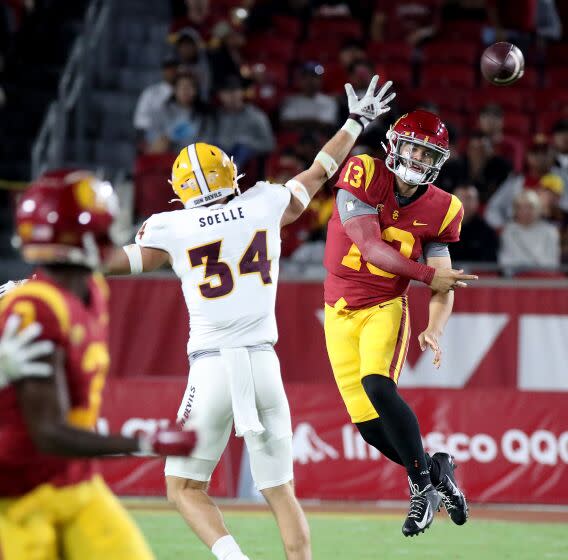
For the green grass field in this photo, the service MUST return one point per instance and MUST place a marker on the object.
(364, 537)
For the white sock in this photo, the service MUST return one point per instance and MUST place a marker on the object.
(226, 548)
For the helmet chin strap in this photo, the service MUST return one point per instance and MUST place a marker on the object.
(409, 175)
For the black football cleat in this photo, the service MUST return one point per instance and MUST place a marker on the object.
(452, 497)
(423, 504)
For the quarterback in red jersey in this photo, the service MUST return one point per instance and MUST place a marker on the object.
(387, 216)
(53, 362)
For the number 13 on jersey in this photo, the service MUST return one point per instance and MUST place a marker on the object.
(254, 260)
(405, 238)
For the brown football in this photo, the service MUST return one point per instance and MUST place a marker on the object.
(502, 64)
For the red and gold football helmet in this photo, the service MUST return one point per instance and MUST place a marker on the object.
(419, 128)
(65, 217)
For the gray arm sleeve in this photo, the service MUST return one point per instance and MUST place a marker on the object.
(349, 206)
(436, 249)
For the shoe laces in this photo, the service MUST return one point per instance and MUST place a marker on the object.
(418, 500)
(446, 494)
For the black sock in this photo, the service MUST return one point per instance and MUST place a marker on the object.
(434, 468)
(400, 426)
(373, 432)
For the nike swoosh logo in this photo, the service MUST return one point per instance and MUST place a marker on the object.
(417, 223)
(455, 490)
(422, 524)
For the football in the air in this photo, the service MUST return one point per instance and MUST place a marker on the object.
(502, 64)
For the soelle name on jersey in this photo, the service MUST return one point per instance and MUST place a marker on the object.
(222, 216)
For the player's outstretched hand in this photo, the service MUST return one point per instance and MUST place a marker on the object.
(446, 279)
(372, 105)
(21, 352)
(168, 442)
(429, 339)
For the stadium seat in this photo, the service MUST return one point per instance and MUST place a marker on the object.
(338, 28)
(545, 120)
(455, 119)
(135, 80)
(462, 30)
(270, 47)
(453, 52)
(286, 26)
(114, 102)
(321, 50)
(143, 56)
(447, 75)
(553, 98)
(556, 54)
(389, 52)
(400, 74)
(334, 77)
(518, 124)
(458, 101)
(557, 77)
(152, 192)
(267, 72)
(117, 154)
(510, 99)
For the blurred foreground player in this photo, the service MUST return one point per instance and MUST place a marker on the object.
(386, 216)
(225, 248)
(53, 362)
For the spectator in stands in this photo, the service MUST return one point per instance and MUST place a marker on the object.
(560, 143)
(478, 241)
(190, 13)
(491, 123)
(560, 147)
(478, 166)
(413, 21)
(528, 242)
(193, 58)
(540, 174)
(351, 51)
(243, 130)
(154, 96)
(182, 120)
(225, 57)
(310, 107)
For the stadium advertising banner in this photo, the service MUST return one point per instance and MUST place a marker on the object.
(498, 403)
(511, 446)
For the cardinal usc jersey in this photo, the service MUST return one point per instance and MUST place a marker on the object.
(81, 332)
(227, 258)
(433, 217)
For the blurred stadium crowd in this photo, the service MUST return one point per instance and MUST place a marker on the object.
(264, 81)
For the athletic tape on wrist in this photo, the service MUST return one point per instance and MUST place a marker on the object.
(134, 254)
(299, 191)
(353, 128)
(328, 163)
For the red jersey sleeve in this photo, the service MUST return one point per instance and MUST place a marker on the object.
(366, 178)
(451, 225)
(38, 302)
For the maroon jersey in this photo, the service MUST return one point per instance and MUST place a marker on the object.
(434, 216)
(81, 332)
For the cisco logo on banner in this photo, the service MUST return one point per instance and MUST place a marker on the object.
(515, 446)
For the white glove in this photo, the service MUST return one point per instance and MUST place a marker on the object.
(10, 285)
(372, 105)
(19, 352)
